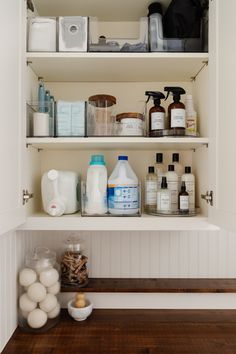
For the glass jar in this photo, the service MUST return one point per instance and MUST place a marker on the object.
(39, 308)
(74, 269)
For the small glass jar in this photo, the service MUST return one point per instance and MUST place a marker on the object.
(74, 269)
(39, 308)
(131, 124)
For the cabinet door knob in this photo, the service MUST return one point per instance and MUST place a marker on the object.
(208, 197)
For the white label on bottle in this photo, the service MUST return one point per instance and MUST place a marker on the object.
(163, 201)
(151, 192)
(173, 187)
(157, 120)
(123, 197)
(178, 118)
(184, 200)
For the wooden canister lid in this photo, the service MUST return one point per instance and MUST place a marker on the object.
(102, 100)
(136, 115)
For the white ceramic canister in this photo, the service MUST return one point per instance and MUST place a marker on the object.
(131, 123)
(41, 124)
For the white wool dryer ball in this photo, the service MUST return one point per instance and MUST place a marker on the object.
(49, 277)
(55, 312)
(37, 292)
(27, 277)
(54, 289)
(37, 318)
(49, 303)
(26, 304)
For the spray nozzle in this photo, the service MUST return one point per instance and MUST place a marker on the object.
(156, 95)
(176, 91)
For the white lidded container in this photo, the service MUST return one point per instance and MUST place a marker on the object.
(42, 34)
(123, 189)
(96, 186)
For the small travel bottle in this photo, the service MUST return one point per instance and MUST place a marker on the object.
(159, 169)
(151, 190)
(164, 197)
(183, 201)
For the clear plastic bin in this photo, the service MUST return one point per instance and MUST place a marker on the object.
(100, 43)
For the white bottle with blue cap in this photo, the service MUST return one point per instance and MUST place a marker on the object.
(96, 186)
(123, 189)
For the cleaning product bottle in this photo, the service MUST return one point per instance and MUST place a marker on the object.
(41, 96)
(191, 116)
(155, 27)
(47, 101)
(183, 200)
(179, 169)
(123, 189)
(156, 113)
(151, 190)
(51, 116)
(96, 186)
(160, 169)
(189, 180)
(164, 197)
(172, 180)
(176, 110)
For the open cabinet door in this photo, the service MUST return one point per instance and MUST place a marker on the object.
(222, 154)
(12, 212)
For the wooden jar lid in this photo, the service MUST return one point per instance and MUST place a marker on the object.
(135, 115)
(102, 100)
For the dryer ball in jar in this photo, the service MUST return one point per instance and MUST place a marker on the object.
(54, 289)
(49, 303)
(37, 292)
(26, 304)
(55, 312)
(27, 277)
(49, 277)
(37, 318)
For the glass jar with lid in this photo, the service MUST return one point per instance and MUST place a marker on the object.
(74, 270)
(39, 308)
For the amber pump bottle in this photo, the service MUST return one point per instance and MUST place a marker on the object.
(176, 111)
(156, 114)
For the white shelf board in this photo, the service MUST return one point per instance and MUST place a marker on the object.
(74, 222)
(116, 67)
(117, 143)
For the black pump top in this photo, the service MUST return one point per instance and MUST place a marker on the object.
(164, 184)
(183, 187)
(171, 168)
(157, 96)
(159, 158)
(175, 157)
(154, 7)
(187, 169)
(176, 91)
(151, 169)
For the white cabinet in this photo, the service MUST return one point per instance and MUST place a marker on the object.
(127, 76)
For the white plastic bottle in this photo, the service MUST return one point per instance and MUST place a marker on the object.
(151, 190)
(96, 186)
(172, 181)
(164, 197)
(160, 169)
(189, 180)
(123, 189)
(191, 116)
(179, 169)
(156, 27)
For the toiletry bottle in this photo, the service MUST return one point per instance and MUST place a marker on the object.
(160, 169)
(156, 113)
(191, 116)
(151, 190)
(172, 180)
(179, 169)
(176, 110)
(183, 200)
(51, 116)
(164, 197)
(155, 27)
(47, 101)
(189, 180)
(41, 96)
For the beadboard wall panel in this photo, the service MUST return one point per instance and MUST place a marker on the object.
(148, 254)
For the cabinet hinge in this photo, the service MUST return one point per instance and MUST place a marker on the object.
(208, 197)
(26, 196)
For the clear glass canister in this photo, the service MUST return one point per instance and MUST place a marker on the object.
(39, 308)
(74, 270)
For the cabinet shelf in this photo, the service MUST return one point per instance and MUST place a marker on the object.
(116, 67)
(117, 143)
(74, 222)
